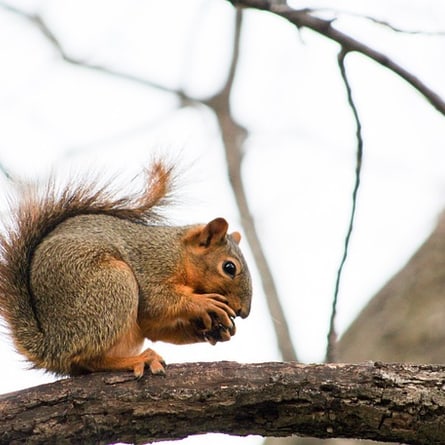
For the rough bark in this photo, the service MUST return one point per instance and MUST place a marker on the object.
(392, 402)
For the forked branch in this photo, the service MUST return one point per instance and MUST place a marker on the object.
(304, 19)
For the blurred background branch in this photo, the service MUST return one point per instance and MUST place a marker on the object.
(233, 135)
(332, 333)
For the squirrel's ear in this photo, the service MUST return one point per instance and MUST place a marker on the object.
(236, 236)
(213, 232)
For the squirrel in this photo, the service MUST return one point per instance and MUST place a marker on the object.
(86, 277)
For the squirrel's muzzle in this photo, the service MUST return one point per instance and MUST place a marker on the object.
(243, 312)
(241, 308)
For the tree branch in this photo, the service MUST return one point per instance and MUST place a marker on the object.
(394, 403)
(233, 136)
(303, 19)
(5, 172)
(41, 25)
(332, 334)
(375, 20)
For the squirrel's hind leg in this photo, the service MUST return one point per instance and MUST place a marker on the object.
(124, 353)
(134, 363)
(86, 300)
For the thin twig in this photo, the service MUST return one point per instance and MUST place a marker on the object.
(5, 172)
(375, 20)
(332, 334)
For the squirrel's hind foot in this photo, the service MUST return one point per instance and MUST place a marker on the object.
(153, 360)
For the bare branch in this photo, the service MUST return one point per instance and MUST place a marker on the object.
(375, 20)
(303, 19)
(6, 173)
(332, 335)
(41, 25)
(234, 135)
(388, 25)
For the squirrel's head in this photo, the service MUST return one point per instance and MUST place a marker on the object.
(215, 264)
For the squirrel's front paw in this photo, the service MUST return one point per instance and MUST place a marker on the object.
(216, 319)
(219, 332)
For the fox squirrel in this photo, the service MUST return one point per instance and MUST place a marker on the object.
(86, 277)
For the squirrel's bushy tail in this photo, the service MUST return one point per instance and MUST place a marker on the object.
(36, 212)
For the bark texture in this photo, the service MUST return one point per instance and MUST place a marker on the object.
(392, 402)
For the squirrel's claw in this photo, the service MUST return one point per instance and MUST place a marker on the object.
(219, 332)
(210, 340)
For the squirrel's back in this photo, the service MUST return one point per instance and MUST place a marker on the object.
(35, 215)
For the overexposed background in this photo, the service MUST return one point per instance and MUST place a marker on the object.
(300, 155)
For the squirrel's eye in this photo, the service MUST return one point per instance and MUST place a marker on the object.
(229, 268)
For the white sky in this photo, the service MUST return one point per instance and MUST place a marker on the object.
(300, 155)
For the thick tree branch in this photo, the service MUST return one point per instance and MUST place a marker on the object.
(303, 19)
(394, 403)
